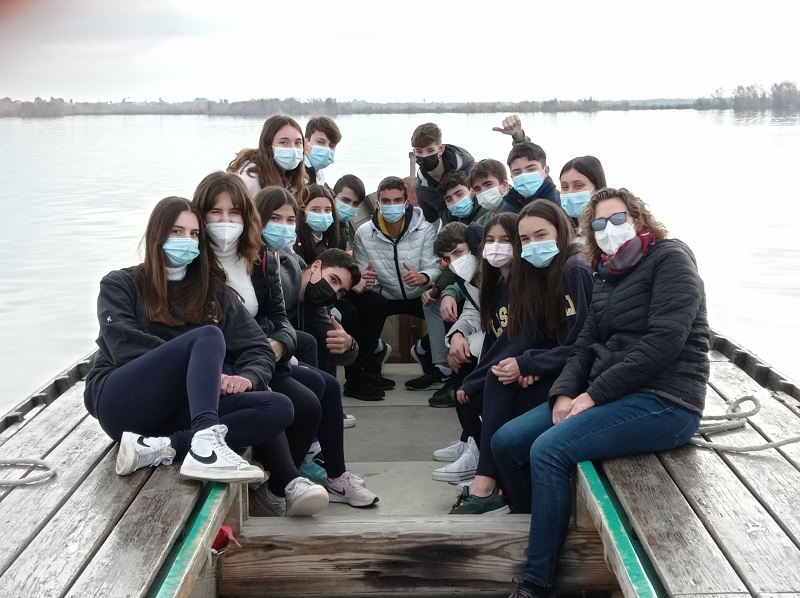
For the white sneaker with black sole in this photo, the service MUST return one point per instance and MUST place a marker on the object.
(464, 468)
(451, 452)
(349, 421)
(210, 459)
(137, 451)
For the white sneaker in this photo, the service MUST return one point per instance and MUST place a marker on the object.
(451, 452)
(347, 489)
(137, 451)
(349, 421)
(264, 503)
(211, 459)
(463, 468)
(304, 498)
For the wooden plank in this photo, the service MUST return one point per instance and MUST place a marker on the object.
(715, 355)
(772, 479)
(195, 550)
(682, 552)
(752, 541)
(45, 432)
(26, 509)
(54, 559)
(777, 419)
(20, 420)
(346, 557)
(134, 552)
(621, 555)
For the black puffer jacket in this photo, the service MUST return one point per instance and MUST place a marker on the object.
(271, 314)
(646, 332)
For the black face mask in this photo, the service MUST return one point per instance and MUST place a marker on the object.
(320, 293)
(428, 163)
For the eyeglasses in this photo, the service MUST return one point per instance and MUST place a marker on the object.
(618, 218)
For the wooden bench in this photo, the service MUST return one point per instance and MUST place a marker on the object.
(697, 522)
(87, 531)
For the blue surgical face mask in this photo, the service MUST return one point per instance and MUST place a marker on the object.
(573, 202)
(278, 236)
(319, 223)
(462, 208)
(287, 158)
(528, 183)
(540, 253)
(393, 213)
(346, 211)
(320, 156)
(181, 251)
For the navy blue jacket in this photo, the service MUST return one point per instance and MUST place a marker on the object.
(428, 198)
(514, 202)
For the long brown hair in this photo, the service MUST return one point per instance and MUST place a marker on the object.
(636, 208)
(205, 198)
(195, 296)
(305, 235)
(273, 198)
(536, 295)
(263, 165)
(490, 277)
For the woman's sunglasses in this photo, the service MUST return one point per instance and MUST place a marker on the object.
(618, 218)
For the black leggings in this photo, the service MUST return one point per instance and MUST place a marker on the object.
(317, 403)
(501, 404)
(173, 391)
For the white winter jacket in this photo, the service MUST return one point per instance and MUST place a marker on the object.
(414, 246)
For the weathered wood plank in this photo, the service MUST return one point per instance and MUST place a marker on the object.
(45, 432)
(182, 572)
(777, 419)
(620, 552)
(26, 509)
(773, 480)
(715, 355)
(54, 559)
(680, 548)
(20, 420)
(345, 557)
(134, 552)
(755, 545)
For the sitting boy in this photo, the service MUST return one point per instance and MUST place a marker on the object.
(435, 159)
(322, 137)
(531, 177)
(350, 193)
(395, 253)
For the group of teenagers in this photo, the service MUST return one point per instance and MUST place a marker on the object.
(563, 326)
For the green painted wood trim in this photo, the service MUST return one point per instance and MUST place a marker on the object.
(637, 565)
(170, 581)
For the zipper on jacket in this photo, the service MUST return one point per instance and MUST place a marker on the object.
(397, 267)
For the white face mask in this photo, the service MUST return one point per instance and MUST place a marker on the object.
(490, 199)
(614, 236)
(498, 254)
(465, 266)
(224, 235)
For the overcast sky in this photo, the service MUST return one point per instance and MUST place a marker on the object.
(392, 51)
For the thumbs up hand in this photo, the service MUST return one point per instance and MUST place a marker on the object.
(413, 278)
(338, 341)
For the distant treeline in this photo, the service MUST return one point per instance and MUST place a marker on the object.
(783, 97)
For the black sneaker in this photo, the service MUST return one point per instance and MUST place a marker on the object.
(381, 382)
(444, 397)
(363, 389)
(423, 359)
(430, 381)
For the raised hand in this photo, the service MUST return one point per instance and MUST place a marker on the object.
(512, 125)
(413, 278)
(338, 341)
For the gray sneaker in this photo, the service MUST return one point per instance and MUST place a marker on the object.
(264, 503)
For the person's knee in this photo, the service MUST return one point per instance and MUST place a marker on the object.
(208, 336)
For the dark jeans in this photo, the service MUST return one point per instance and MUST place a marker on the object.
(536, 460)
(501, 404)
(363, 316)
(174, 390)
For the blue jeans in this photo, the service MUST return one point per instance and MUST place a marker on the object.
(536, 460)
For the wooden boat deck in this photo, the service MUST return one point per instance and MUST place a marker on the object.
(690, 522)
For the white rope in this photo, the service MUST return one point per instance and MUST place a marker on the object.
(732, 420)
(35, 478)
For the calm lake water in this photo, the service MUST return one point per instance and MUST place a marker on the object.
(77, 193)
